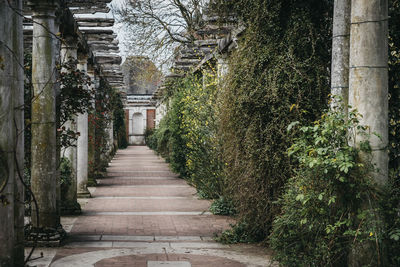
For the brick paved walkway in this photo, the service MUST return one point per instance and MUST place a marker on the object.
(142, 214)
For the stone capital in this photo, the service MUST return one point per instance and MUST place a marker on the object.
(43, 8)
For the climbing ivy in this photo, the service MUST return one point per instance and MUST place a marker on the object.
(279, 74)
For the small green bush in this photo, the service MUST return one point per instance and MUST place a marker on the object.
(223, 206)
(330, 205)
(242, 232)
(65, 175)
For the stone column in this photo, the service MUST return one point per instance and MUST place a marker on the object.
(91, 131)
(340, 51)
(69, 203)
(83, 143)
(19, 207)
(368, 91)
(11, 89)
(57, 47)
(44, 146)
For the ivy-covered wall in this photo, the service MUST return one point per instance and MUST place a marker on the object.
(279, 74)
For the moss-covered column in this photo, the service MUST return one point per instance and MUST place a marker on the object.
(82, 144)
(69, 203)
(44, 160)
(19, 207)
(12, 100)
(7, 139)
(11, 90)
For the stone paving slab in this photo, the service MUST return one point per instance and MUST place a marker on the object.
(142, 174)
(135, 181)
(137, 167)
(148, 205)
(155, 191)
(161, 225)
(136, 238)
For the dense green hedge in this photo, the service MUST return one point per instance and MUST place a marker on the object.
(187, 135)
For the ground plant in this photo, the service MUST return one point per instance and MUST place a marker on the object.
(330, 205)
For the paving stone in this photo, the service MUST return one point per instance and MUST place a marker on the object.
(126, 238)
(168, 263)
(88, 244)
(148, 205)
(177, 238)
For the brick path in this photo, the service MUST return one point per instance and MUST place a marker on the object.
(142, 214)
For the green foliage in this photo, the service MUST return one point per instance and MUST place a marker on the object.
(119, 121)
(239, 233)
(329, 206)
(65, 175)
(223, 206)
(187, 135)
(279, 74)
(104, 107)
(394, 88)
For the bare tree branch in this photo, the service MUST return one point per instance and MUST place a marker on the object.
(154, 28)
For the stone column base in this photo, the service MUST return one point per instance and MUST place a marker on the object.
(84, 194)
(44, 237)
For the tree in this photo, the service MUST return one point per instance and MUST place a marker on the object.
(157, 27)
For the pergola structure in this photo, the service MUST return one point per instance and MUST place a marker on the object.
(54, 32)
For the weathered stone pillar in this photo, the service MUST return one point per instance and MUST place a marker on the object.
(44, 147)
(57, 47)
(368, 93)
(83, 143)
(19, 207)
(340, 51)
(70, 205)
(11, 143)
(369, 76)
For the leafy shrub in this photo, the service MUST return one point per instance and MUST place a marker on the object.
(329, 207)
(65, 175)
(239, 233)
(150, 138)
(187, 135)
(223, 206)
